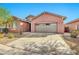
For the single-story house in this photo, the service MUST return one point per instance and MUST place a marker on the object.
(18, 25)
(73, 25)
(47, 22)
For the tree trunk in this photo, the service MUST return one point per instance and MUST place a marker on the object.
(6, 25)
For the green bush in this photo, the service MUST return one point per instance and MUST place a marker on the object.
(74, 33)
(10, 35)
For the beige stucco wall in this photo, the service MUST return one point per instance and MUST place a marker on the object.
(73, 26)
(24, 27)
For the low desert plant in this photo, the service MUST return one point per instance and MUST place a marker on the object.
(10, 35)
(1, 35)
(74, 33)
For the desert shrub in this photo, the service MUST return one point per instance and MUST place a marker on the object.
(74, 33)
(1, 35)
(10, 35)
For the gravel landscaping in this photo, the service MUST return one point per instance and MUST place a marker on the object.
(6, 40)
(72, 42)
(37, 44)
(50, 44)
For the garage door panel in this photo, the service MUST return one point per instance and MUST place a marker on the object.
(46, 27)
(52, 28)
(39, 28)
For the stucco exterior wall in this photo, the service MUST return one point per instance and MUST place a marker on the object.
(46, 18)
(23, 26)
(73, 26)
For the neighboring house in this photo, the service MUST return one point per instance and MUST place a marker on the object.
(47, 22)
(73, 25)
(18, 25)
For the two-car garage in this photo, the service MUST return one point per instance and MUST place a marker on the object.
(48, 23)
(46, 27)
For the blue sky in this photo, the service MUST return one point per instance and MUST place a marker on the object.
(22, 10)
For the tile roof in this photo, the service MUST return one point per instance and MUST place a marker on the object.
(34, 17)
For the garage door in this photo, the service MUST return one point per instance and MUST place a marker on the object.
(46, 27)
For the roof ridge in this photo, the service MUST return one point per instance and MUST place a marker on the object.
(53, 13)
(48, 13)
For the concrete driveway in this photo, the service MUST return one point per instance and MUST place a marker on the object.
(55, 39)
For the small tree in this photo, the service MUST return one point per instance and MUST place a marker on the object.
(5, 18)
